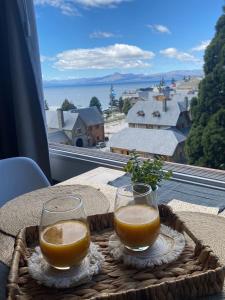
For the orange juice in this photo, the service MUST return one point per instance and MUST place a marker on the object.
(65, 244)
(137, 225)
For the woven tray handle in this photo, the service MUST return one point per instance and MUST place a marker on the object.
(18, 254)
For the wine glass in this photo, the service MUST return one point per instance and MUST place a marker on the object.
(136, 216)
(64, 234)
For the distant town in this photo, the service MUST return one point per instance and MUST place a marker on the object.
(153, 120)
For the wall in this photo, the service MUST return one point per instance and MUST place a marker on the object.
(69, 134)
(127, 152)
(80, 131)
(146, 126)
(96, 133)
(119, 150)
(179, 154)
(183, 121)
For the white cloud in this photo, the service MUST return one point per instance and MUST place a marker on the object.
(100, 3)
(101, 35)
(202, 46)
(67, 7)
(44, 58)
(179, 55)
(159, 28)
(110, 57)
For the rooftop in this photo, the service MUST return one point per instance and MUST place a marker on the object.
(164, 118)
(69, 119)
(147, 140)
(57, 136)
(90, 116)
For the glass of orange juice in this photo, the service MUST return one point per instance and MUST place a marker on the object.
(136, 217)
(64, 234)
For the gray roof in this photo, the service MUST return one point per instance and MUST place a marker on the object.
(168, 118)
(57, 136)
(90, 115)
(154, 141)
(69, 119)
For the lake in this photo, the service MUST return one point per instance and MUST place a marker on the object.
(81, 95)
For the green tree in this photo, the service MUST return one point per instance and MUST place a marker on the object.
(120, 104)
(67, 105)
(46, 105)
(173, 81)
(126, 106)
(95, 102)
(213, 141)
(210, 101)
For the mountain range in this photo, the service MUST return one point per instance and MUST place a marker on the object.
(119, 78)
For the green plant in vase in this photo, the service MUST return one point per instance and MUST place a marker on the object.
(148, 171)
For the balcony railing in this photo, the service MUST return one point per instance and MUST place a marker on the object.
(68, 161)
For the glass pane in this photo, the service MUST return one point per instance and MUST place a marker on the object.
(120, 75)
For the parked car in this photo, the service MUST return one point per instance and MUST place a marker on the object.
(100, 145)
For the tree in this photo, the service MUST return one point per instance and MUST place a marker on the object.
(126, 106)
(201, 148)
(173, 81)
(67, 105)
(95, 102)
(213, 141)
(46, 105)
(162, 82)
(120, 104)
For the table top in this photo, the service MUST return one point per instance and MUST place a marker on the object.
(25, 210)
(209, 228)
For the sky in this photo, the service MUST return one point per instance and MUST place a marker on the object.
(93, 38)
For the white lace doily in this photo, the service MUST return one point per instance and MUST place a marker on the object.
(40, 270)
(167, 248)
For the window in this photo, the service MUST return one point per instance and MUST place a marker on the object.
(139, 89)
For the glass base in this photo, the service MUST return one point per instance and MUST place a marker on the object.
(137, 249)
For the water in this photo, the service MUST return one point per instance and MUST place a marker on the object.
(81, 95)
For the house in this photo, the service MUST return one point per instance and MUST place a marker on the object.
(156, 127)
(149, 143)
(79, 127)
(160, 113)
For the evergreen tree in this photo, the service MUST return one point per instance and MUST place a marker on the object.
(95, 102)
(126, 106)
(202, 146)
(120, 105)
(67, 105)
(173, 81)
(213, 141)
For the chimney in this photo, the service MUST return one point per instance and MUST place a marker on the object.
(164, 104)
(60, 118)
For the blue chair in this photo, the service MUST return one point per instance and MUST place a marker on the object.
(19, 175)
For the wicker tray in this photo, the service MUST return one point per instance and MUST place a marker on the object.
(197, 272)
